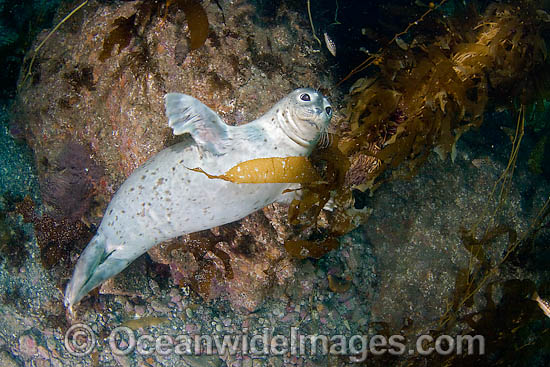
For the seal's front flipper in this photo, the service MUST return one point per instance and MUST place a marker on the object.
(188, 115)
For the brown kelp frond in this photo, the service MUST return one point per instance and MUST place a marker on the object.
(121, 35)
(197, 20)
(269, 170)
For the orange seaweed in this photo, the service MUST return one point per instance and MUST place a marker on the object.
(269, 170)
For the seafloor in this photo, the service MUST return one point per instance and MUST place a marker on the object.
(396, 273)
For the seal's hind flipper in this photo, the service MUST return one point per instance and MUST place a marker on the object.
(188, 115)
(95, 265)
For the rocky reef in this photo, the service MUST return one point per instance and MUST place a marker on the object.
(440, 253)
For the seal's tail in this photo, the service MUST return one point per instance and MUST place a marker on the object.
(94, 266)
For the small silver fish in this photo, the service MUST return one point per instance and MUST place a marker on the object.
(543, 304)
(331, 46)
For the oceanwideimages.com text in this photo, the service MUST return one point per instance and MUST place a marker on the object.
(80, 341)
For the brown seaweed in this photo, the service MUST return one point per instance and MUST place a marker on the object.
(81, 77)
(301, 249)
(121, 35)
(269, 170)
(199, 245)
(441, 89)
(197, 20)
(55, 237)
(424, 98)
(338, 284)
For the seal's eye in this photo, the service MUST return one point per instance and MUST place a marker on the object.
(305, 97)
(328, 110)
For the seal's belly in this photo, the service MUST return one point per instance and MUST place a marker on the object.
(163, 199)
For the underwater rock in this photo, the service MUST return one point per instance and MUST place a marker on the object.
(122, 117)
(7, 360)
(113, 103)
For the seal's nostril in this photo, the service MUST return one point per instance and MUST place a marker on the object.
(328, 110)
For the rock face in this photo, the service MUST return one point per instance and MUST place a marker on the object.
(109, 99)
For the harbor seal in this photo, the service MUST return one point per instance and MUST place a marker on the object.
(167, 196)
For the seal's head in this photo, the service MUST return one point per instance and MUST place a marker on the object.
(304, 116)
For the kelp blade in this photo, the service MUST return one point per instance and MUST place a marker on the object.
(197, 20)
(270, 170)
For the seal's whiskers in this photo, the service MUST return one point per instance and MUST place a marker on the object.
(325, 139)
